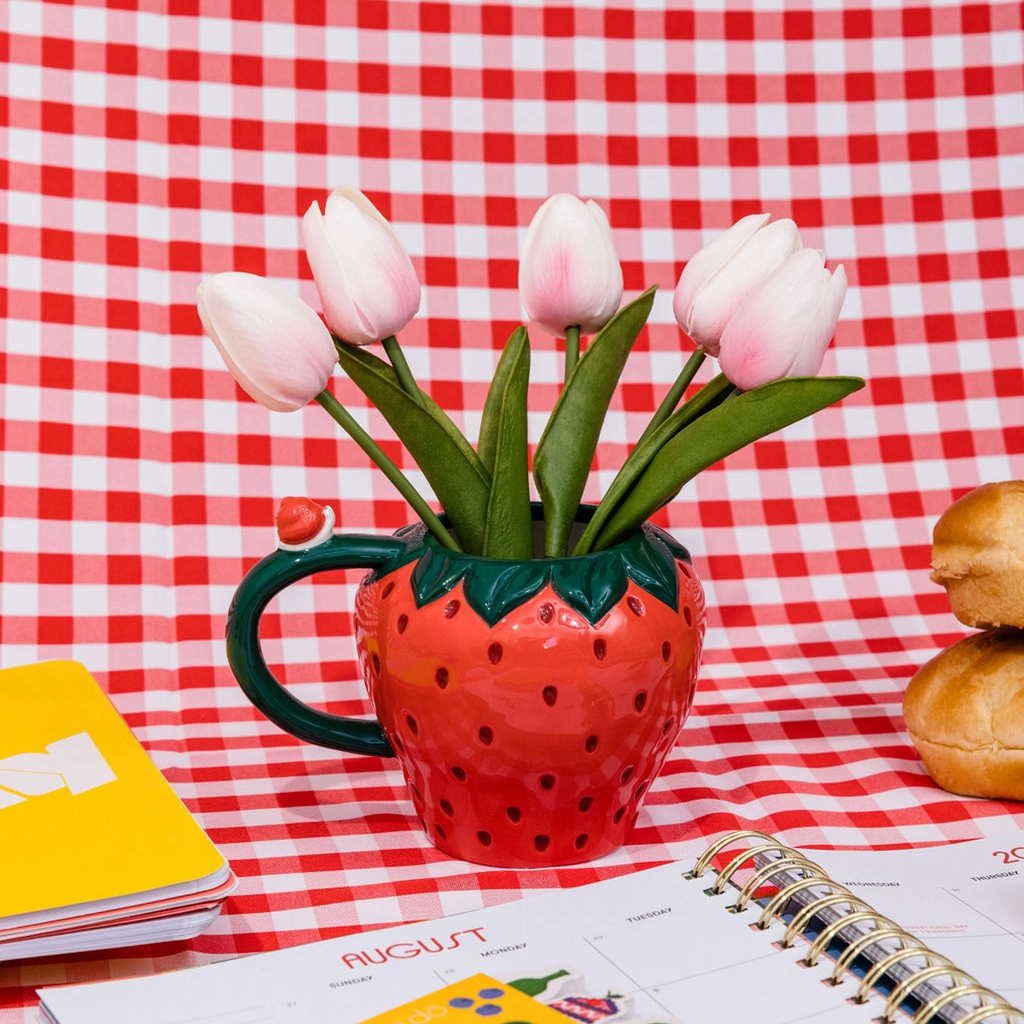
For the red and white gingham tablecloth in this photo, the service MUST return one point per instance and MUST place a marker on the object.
(147, 144)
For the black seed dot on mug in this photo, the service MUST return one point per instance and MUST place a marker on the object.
(494, 653)
(458, 773)
(514, 814)
(375, 660)
(486, 735)
(441, 677)
(590, 744)
(547, 782)
(447, 808)
(666, 651)
(618, 815)
(550, 695)
(484, 837)
(668, 725)
(386, 592)
(585, 804)
(627, 774)
(413, 725)
(403, 621)
(640, 790)
(639, 700)
(541, 843)
(688, 615)
(451, 609)
(581, 841)
(440, 832)
(636, 606)
(546, 612)
(600, 648)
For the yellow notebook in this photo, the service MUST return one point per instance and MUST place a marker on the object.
(91, 829)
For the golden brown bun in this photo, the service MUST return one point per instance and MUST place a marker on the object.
(964, 710)
(978, 555)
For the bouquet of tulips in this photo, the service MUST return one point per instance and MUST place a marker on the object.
(753, 298)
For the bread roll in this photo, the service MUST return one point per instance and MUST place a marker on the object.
(964, 710)
(978, 555)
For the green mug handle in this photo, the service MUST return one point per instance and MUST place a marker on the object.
(261, 584)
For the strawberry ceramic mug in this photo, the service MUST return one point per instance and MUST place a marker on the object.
(529, 703)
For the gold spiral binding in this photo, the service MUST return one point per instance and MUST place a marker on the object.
(907, 986)
(937, 965)
(769, 870)
(866, 940)
(777, 904)
(738, 861)
(727, 840)
(931, 1009)
(877, 970)
(840, 894)
(991, 1010)
(830, 931)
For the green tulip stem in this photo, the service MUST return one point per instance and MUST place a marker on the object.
(676, 392)
(348, 423)
(401, 367)
(572, 349)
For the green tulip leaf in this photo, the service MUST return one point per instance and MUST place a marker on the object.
(566, 449)
(448, 461)
(492, 412)
(508, 531)
(737, 422)
(713, 393)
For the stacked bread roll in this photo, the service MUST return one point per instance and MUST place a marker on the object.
(964, 709)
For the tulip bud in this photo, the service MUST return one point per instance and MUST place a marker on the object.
(569, 275)
(720, 275)
(275, 345)
(365, 279)
(784, 326)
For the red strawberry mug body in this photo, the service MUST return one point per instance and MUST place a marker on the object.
(530, 704)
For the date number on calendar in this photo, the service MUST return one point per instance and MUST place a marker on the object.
(1014, 856)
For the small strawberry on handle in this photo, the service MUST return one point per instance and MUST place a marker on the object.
(303, 524)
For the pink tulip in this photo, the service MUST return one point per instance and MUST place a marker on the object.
(275, 345)
(784, 326)
(718, 277)
(569, 275)
(366, 281)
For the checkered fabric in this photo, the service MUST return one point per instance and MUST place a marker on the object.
(147, 144)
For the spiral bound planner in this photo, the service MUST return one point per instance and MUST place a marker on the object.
(745, 928)
(885, 958)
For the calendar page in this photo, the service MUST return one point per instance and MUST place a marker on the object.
(653, 947)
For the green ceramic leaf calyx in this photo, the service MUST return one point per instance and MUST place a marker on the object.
(591, 584)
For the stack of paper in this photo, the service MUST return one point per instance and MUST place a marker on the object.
(97, 849)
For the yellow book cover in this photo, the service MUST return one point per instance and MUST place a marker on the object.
(86, 817)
